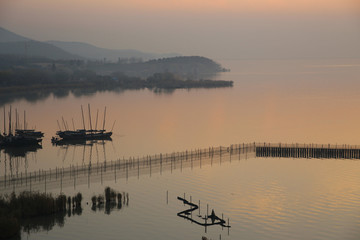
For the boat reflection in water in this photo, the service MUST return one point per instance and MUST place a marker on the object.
(20, 151)
(14, 159)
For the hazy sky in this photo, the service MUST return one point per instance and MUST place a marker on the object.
(213, 28)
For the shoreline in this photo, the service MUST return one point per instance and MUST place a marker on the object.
(187, 84)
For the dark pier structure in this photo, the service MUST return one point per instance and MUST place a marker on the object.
(307, 151)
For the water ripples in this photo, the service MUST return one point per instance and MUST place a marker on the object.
(264, 198)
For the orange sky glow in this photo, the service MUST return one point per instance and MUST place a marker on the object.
(244, 5)
(191, 27)
(320, 6)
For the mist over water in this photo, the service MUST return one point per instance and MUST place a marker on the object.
(296, 70)
(287, 101)
(272, 101)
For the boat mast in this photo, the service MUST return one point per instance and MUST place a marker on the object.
(24, 119)
(73, 123)
(16, 119)
(10, 121)
(4, 122)
(97, 114)
(104, 119)
(67, 125)
(113, 126)
(90, 117)
(82, 113)
(64, 123)
(58, 125)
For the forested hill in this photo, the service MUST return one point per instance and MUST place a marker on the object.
(24, 73)
(190, 67)
(201, 64)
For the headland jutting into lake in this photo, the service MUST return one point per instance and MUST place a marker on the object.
(23, 74)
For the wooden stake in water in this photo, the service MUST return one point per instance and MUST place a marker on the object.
(205, 223)
(45, 181)
(89, 177)
(199, 207)
(228, 227)
(222, 218)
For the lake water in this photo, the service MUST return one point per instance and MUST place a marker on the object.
(284, 101)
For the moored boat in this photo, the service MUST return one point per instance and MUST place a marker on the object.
(19, 141)
(29, 133)
(19, 137)
(83, 134)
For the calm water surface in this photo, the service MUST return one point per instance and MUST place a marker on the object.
(271, 101)
(264, 198)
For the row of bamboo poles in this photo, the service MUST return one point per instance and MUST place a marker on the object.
(308, 151)
(136, 166)
(58, 178)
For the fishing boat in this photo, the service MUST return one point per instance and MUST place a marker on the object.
(29, 133)
(19, 141)
(20, 137)
(98, 134)
(82, 134)
(79, 134)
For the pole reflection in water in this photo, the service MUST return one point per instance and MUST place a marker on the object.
(215, 220)
(16, 158)
(112, 170)
(112, 200)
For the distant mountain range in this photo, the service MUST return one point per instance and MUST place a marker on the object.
(7, 36)
(35, 49)
(14, 44)
(92, 52)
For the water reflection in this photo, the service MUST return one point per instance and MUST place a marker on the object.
(38, 96)
(20, 151)
(44, 223)
(31, 97)
(90, 150)
(80, 142)
(61, 93)
(17, 158)
(90, 172)
(112, 201)
(160, 91)
(214, 219)
(48, 222)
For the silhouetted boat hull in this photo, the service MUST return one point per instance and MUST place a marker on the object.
(82, 135)
(71, 135)
(29, 133)
(103, 135)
